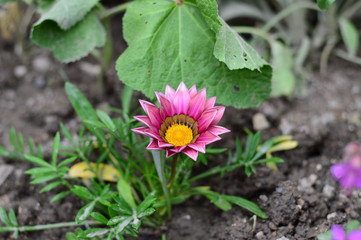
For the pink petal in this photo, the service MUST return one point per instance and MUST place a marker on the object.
(197, 104)
(191, 153)
(153, 145)
(207, 138)
(164, 144)
(181, 100)
(193, 91)
(178, 149)
(218, 130)
(169, 153)
(339, 170)
(219, 115)
(166, 106)
(140, 130)
(338, 233)
(206, 119)
(210, 103)
(152, 112)
(169, 92)
(354, 235)
(144, 119)
(200, 147)
(151, 133)
(358, 180)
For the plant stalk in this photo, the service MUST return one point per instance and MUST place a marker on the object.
(114, 10)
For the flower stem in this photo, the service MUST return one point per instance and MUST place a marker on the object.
(173, 173)
(45, 226)
(114, 10)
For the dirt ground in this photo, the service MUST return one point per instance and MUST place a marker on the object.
(301, 199)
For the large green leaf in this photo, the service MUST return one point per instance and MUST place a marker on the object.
(170, 43)
(67, 13)
(72, 44)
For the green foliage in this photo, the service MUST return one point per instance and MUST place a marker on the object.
(72, 35)
(10, 222)
(170, 43)
(324, 4)
(349, 35)
(352, 225)
(5, 1)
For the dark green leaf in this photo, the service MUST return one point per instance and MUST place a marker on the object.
(60, 196)
(99, 217)
(72, 44)
(85, 212)
(163, 37)
(106, 120)
(38, 161)
(55, 149)
(4, 217)
(51, 186)
(324, 4)
(266, 160)
(12, 218)
(83, 193)
(244, 203)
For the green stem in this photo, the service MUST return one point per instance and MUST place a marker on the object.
(352, 10)
(287, 11)
(172, 176)
(46, 226)
(114, 10)
(255, 31)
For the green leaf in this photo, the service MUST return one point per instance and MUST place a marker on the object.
(106, 120)
(170, 43)
(147, 203)
(55, 149)
(324, 4)
(353, 225)
(349, 35)
(93, 233)
(125, 192)
(99, 217)
(4, 217)
(38, 161)
(44, 178)
(325, 236)
(60, 196)
(67, 161)
(39, 171)
(116, 220)
(12, 217)
(67, 13)
(82, 192)
(219, 201)
(51, 186)
(270, 160)
(85, 212)
(244, 203)
(6, 1)
(283, 79)
(147, 212)
(72, 44)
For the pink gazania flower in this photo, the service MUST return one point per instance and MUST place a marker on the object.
(348, 173)
(186, 121)
(338, 233)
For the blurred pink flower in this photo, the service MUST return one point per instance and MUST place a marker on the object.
(186, 121)
(338, 233)
(348, 173)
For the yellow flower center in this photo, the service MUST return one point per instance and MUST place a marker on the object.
(179, 135)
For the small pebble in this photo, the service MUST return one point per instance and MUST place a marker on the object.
(283, 238)
(318, 167)
(328, 191)
(260, 122)
(331, 216)
(272, 226)
(41, 64)
(20, 71)
(260, 235)
(264, 198)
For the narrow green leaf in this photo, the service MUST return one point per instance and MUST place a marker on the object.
(121, 226)
(325, 236)
(324, 4)
(38, 161)
(12, 218)
(216, 150)
(67, 161)
(13, 139)
(244, 203)
(44, 178)
(85, 212)
(99, 217)
(147, 212)
(20, 140)
(126, 99)
(147, 203)
(72, 44)
(349, 35)
(125, 191)
(31, 146)
(94, 233)
(4, 152)
(55, 149)
(219, 201)
(116, 220)
(51, 186)
(39, 171)
(353, 225)
(60, 196)
(106, 120)
(66, 133)
(4, 217)
(83, 193)
(269, 160)
(94, 124)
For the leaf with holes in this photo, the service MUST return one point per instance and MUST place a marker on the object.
(170, 43)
